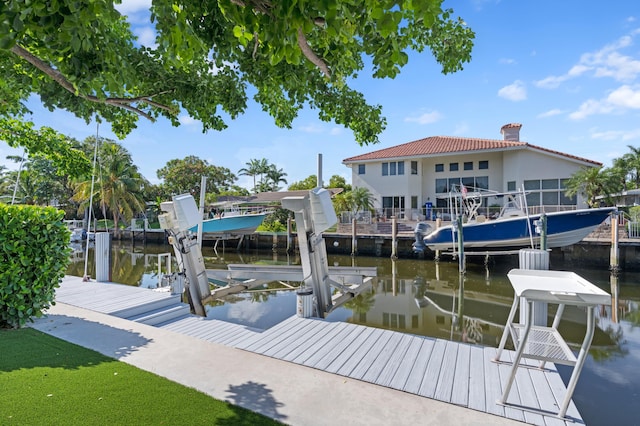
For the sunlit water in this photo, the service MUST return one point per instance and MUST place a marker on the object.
(423, 297)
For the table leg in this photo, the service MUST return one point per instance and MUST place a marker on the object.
(507, 328)
(520, 349)
(586, 343)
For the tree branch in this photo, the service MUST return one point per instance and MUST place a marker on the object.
(310, 54)
(59, 78)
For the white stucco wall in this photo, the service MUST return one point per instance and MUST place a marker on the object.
(504, 166)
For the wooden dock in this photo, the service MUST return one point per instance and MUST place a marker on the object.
(456, 373)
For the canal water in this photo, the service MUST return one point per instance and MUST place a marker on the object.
(427, 298)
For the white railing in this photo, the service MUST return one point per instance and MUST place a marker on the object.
(361, 217)
(633, 229)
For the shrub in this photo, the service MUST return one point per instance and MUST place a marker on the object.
(34, 254)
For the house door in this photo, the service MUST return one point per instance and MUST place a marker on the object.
(393, 206)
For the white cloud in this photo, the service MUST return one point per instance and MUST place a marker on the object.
(590, 107)
(550, 113)
(146, 36)
(623, 98)
(426, 118)
(514, 92)
(620, 135)
(606, 62)
(132, 6)
(507, 61)
(335, 131)
(311, 128)
(187, 120)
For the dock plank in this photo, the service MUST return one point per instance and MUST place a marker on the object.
(372, 354)
(384, 359)
(360, 353)
(396, 359)
(419, 367)
(293, 341)
(459, 373)
(337, 350)
(350, 351)
(477, 396)
(434, 368)
(460, 391)
(493, 385)
(312, 348)
(337, 342)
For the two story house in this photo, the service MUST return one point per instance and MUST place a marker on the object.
(408, 180)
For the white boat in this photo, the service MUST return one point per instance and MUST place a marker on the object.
(227, 218)
(513, 228)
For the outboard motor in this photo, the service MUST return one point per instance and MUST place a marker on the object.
(419, 233)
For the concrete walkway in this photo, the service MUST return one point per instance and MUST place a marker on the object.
(287, 392)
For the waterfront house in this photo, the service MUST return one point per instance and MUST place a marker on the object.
(410, 179)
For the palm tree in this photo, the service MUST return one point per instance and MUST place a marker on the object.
(592, 182)
(118, 184)
(254, 168)
(628, 167)
(275, 176)
(360, 199)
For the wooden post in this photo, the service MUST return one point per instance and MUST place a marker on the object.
(394, 237)
(354, 237)
(613, 257)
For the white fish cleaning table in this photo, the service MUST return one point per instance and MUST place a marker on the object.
(545, 343)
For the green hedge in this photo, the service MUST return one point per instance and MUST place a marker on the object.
(34, 255)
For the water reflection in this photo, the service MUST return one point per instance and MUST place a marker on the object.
(432, 299)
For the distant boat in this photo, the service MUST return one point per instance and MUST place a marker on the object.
(512, 229)
(230, 219)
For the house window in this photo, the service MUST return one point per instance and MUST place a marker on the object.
(393, 168)
(548, 192)
(414, 167)
(468, 165)
(361, 169)
(414, 201)
(483, 165)
(441, 186)
(482, 182)
(530, 185)
(453, 167)
(439, 168)
(511, 185)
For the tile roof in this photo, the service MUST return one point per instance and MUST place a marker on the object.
(436, 145)
(511, 126)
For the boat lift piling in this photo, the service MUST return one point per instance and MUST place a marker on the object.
(354, 237)
(614, 265)
(314, 214)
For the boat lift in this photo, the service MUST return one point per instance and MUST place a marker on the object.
(314, 213)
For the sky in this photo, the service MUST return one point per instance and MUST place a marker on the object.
(568, 71)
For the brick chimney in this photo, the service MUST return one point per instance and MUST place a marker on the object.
(511, 132)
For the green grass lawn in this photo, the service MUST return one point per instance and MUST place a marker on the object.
(48, 381)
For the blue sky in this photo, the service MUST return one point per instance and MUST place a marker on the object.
(568, 71)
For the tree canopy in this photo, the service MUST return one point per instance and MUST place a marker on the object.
(185, 175)
(82, 56)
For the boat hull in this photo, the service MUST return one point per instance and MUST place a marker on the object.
(563, 229)
(240, 224)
